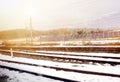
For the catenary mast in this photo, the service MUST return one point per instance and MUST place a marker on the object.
(31, 31)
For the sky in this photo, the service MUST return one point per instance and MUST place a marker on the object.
(52, 14)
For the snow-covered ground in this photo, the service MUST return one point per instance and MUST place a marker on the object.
(73, 75)
(16, 76)
(71, 42)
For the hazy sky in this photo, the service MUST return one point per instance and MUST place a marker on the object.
(49, 14)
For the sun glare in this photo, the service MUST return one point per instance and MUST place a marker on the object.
(30, 11)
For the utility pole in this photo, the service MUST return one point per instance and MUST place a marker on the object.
(31, 31)
(26, 34)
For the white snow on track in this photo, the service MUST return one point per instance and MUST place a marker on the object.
(67, 75)
(16, 76)
(84, 53)
(75, 57)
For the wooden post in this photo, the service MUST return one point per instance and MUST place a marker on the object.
(11, 52)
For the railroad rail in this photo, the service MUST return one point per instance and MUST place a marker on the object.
(76, 58)
(62, 68)
(62, 57)
(109, 49)
(35, 65)
(80, 54)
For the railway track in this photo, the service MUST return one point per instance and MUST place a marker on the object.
(32, 72)
(76, 58)
(108, 49)
(60, 57)
(80, 54)
(59, 68)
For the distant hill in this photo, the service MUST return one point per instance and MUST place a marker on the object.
(108, 21)
(11, 34)
(22, 33)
